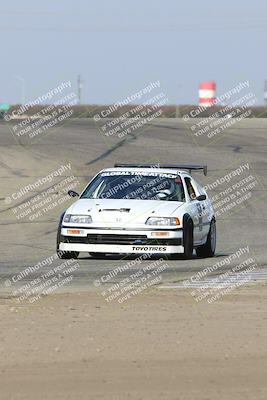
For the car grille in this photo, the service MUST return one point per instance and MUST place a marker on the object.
(115, 239)
(120, 239)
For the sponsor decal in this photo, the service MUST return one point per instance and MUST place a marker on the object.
(150, 248)
(138, 173)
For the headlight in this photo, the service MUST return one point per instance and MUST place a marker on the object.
(163, 221)
(78, 219)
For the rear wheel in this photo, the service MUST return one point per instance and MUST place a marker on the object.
(208, 249)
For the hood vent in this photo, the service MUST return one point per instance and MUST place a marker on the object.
(115, 209)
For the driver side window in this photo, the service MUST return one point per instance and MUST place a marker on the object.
(190, 189)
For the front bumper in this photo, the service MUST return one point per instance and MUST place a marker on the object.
(121, 241)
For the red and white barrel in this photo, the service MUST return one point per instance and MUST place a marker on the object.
(207, 93)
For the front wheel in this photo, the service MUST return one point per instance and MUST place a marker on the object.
(64, 255)
(97, 255)
(67, 255)
(188, 239)
(208, 249)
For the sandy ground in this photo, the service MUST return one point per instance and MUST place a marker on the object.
(159, 345)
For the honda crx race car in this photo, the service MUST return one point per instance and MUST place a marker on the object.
(140, 209)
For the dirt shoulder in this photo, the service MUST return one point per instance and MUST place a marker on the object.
(159, 345)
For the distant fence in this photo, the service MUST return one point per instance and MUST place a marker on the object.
(167, 111)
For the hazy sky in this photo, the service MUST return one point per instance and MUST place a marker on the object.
(118, 46)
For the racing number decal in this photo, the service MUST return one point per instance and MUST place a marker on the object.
(200, 217)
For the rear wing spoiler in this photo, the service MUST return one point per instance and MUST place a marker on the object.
(188, 167)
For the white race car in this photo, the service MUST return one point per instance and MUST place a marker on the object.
(140, 209)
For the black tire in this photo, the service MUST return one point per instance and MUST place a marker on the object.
(208, 249)
(98, 255)
(188, 238)
(67, 255)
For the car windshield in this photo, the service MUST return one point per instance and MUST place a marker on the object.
(136, 186)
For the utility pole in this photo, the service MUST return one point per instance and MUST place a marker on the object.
(79, 86)
(265, 92)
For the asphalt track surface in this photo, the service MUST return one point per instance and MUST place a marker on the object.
(25, 243)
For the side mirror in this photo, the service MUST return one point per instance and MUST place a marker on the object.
(71, 193)
(202, 197)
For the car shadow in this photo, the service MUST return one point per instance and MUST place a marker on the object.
(168, 257)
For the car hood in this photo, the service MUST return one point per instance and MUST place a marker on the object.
(109, 212)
